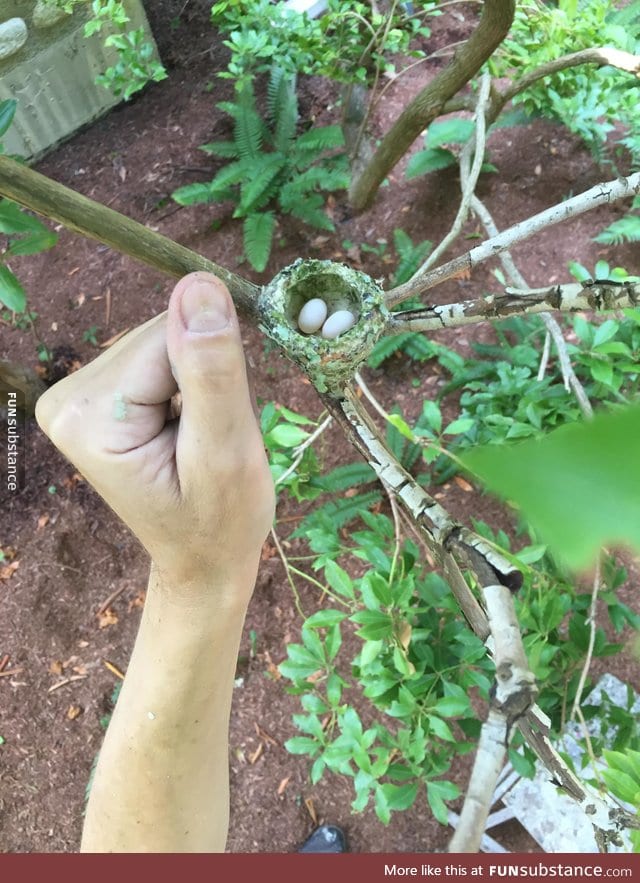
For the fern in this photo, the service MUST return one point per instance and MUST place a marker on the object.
(340, 512)
(311, 211)
(386, 347)
(223, 149)
(402, 449)
(282, 109)
(258, 185)
(249, 128)
(627, 229)
(258, 233)
(269, 163)
(344, 477)
(419, 347)
(193, 194)
(411, 256)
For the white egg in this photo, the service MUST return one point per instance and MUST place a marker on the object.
(312, 315)
(337, 324)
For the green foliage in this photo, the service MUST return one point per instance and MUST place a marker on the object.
(136, 64)
(25, 234)
(622, 777)
(272, 165)
(627, 229)
(90, 335)
(578, 486)
(417, 663)
(410, 257)
(351, 42)
(592, 103)
(435, 157)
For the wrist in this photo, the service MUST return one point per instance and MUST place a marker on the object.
(205, 588)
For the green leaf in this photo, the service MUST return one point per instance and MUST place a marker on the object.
(323, 619)
(34, 243)
(12, 294)
(450, 706)
(14, 219)
(224, 149)
(320, 138)
(376, 625)
(339, 579)
(258, 189)
(400, 797)
(339, 511)
(382, 806)
(439, 728)
(579, 487)
(302, 745)
(7, 112)
(437, 792)
(401, 425)
(192, 194)
(451, 131)
(286, 435)
(258, 234)
(343, 477)
(429, 161)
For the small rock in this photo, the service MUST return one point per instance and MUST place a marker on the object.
(45, 14)
(13, 36)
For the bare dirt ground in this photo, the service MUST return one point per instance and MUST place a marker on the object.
(74, 555)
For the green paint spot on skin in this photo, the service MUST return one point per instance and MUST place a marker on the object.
(119, 407)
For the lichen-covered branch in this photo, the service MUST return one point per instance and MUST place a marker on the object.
(513, 695)
(601, 194)
(569, 298)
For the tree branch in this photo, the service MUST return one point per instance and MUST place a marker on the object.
(83, 215)
(473, 148)
(601, 194)
(569, 298)
(514, 694)
(494, 25)
(602, 56)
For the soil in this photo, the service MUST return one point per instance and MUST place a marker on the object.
(73, 553)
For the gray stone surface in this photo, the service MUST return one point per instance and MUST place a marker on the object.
(45, 15)
(552, 818)
(13, 36)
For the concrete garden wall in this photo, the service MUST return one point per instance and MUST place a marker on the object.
(48, 64)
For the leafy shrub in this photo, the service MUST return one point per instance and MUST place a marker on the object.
(350, 42)
(270, 163)
(590, 102)
(25, 233)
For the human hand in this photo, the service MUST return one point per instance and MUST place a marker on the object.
(196, 491)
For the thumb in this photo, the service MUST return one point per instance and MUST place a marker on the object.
(206, 356)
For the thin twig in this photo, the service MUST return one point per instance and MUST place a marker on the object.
(544, 359)
(299, 451)
(475, 147)
(66, 682)
(112, 597)
(592, 623)
(285, 563)
(601, 194)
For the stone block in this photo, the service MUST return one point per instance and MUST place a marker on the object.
(52, 74)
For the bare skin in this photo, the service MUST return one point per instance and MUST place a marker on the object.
(197, 492)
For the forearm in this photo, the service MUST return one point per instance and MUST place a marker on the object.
(161, 784)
